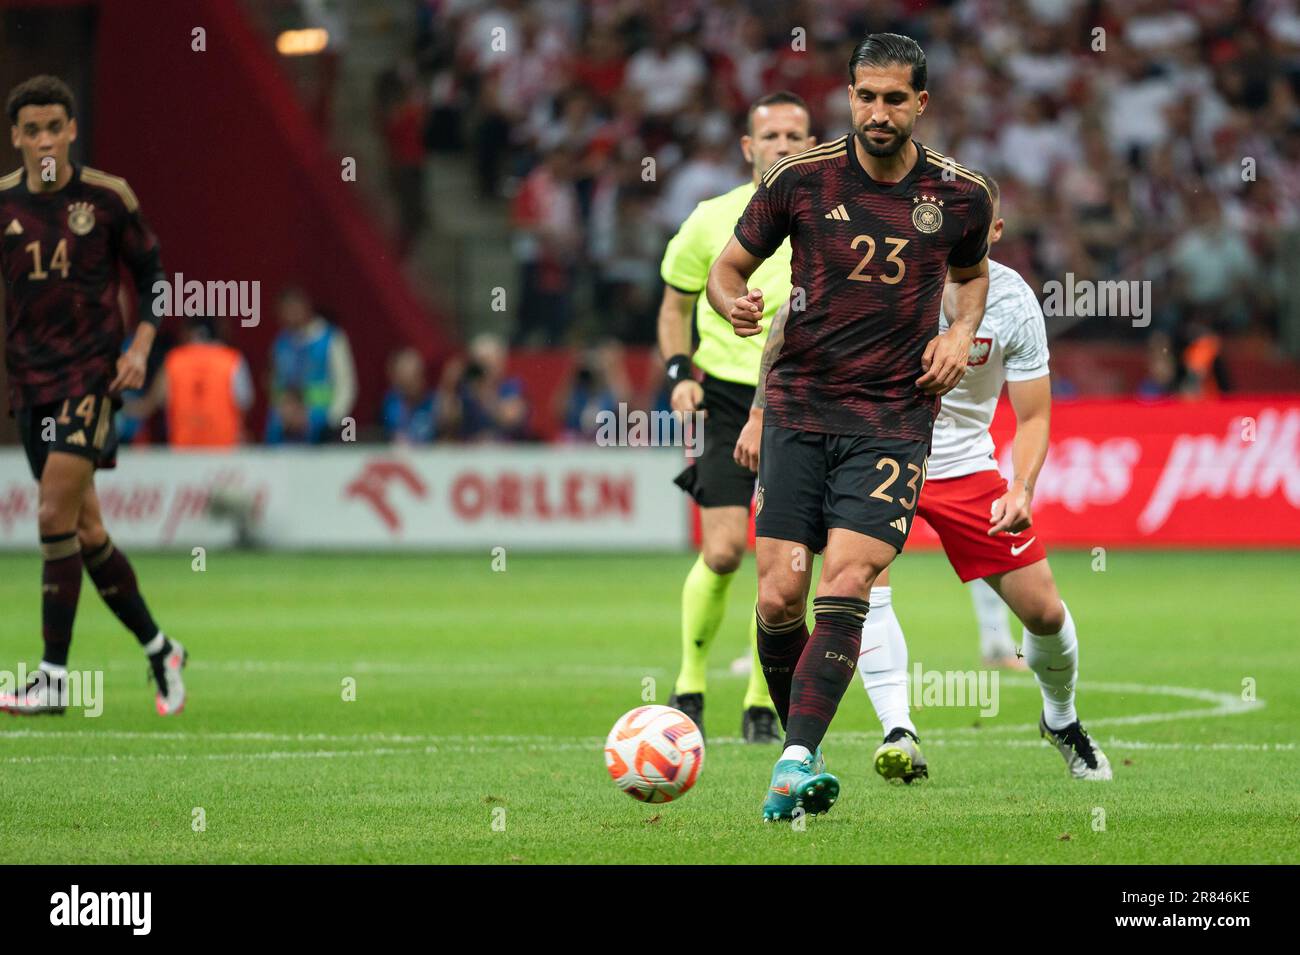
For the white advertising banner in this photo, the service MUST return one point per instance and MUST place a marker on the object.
(535, 497)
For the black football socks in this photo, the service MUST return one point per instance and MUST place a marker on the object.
(113, 576)
(825, 669)
(779, 647)
(60, 589)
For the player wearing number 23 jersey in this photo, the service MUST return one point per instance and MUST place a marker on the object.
(868, 266)
(878, 225)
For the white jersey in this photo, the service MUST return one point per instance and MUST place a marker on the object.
(1010, 345)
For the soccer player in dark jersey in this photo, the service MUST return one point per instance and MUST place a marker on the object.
(67, 232)
(877, 225)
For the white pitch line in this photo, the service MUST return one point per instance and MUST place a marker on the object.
(484, 746)
(1226, 704)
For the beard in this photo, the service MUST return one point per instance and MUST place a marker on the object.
(889, 147)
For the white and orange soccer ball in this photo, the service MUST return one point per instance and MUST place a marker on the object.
(654, 753)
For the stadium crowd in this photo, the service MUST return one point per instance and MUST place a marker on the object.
(1143, 139)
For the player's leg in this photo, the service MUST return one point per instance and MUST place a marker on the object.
(704, 601)
(723, 490)
(850, 565)
(784, 574)
(114, 578)
(790, 528)
(760, 722)
(824, 669)
(882, 663)
(997, 648)
(63, 479)
(1051, 650)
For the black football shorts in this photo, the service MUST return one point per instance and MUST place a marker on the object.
(82, 426)
(714, 479)
(810, 482)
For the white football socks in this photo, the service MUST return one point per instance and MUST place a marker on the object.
(1055, 661)
(797, 753)
(882, 661)
(991, 615)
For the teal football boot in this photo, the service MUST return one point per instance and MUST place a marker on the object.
(796, 786)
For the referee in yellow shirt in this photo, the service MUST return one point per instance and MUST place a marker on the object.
(778, 126)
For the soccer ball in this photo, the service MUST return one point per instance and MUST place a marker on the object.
(654, 753)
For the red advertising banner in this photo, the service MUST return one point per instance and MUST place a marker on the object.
(1126, 473)
(1167, 474)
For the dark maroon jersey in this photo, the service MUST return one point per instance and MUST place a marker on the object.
(61, 258)
(869, 259)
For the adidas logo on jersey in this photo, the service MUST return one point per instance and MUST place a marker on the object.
(14, 228)
(79, 439)
(839, 213)
(899, 525)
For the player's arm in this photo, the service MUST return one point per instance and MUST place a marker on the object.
(1032, 403)
(139, 250)
(944, 361)
(751, 435)
(729, 292)
(675, 313)
(766, 222)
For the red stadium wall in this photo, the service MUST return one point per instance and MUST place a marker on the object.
(237, 182)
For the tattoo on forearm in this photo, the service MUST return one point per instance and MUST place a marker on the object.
(771, 349)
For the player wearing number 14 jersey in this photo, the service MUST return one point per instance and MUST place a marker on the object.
(877, 225)
(66, 232)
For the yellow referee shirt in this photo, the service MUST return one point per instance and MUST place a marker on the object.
(685, 267)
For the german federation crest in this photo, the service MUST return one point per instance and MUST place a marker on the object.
(81, 218)
(927, 215)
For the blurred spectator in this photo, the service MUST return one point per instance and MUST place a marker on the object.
(410, 411)
(403, 130)
(1120, 152)
(665, 75)
(1213, 264)
(477, 400)
(1202, 372)
(313, 379)
(205, 387)
(599, 384)
(547, 244)
(709, 171)
(1162, 368)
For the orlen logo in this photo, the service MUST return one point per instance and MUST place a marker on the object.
(1203, 465)
(373, 483)
(979, 351)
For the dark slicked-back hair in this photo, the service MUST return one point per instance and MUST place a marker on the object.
(40, 91)
(883, 49)
(775, 99)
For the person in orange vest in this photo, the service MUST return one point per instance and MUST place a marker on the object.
(1203, 372)
(206, 388)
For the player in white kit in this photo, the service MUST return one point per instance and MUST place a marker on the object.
(985, 528)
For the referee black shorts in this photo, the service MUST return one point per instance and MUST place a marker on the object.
(714, 479)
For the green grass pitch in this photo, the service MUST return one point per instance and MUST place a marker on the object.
(483, 697)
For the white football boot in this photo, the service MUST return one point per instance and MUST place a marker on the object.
(166, 673)
(46, 693)
(1083, 757)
